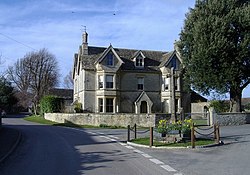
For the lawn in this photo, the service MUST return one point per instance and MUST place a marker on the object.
(198, 142)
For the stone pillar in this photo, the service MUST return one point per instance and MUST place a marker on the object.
(212, 116)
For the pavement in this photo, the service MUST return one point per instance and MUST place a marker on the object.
(9, 139)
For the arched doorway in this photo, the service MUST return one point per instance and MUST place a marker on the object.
(144, 107)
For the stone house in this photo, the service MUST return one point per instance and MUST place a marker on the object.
(115, 80)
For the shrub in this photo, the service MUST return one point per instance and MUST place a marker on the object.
(78, 107)
(220, 106)
(50, 104)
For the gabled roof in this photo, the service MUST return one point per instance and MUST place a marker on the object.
(168, 57)
(143, 96)
(137, 53)
(151, 61)
(110, 48)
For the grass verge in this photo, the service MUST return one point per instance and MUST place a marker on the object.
(198, 142)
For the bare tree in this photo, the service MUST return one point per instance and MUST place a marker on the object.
(68, 81)
(34, 75)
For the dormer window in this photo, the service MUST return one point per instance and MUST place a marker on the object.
(110, 59)
(139, 61)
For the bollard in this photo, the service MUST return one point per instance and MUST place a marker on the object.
(128, 133)
(135, 130)
(217, 133)
(192, 136)
(151, 140)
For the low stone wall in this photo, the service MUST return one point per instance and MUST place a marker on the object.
(225, 119)
(144, 120)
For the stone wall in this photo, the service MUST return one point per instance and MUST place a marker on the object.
(225, 119)
(144, 120)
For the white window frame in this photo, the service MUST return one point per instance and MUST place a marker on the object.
(100, 82)
(139, 61)
(107, 81)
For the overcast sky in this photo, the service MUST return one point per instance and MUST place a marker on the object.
(29, 25)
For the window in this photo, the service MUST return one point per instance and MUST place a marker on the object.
(176, 83)
(174, 63)
(139, 61)
(166, 83)
(109, 81)
(140, 85)
(100, 81)
(110, 59)
(109, 105)
(100, 101)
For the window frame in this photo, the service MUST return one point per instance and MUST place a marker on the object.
(109, 84)
(139, 61)
(109, 106)
(101, 104)
(110, 59)
(140, 85)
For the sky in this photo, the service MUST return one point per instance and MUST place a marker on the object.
(30, 25)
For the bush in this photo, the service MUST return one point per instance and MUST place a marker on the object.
(78, 107)
(220, 106)
(247, 107)
(50, 104)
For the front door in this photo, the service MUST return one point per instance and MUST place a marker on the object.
(144, 108)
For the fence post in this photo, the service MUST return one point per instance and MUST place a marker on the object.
(217, 133)
(192, 136)
(128, 133)
(151, 137)
(135, 130)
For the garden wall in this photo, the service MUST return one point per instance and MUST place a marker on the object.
(225, 119)
(144, 120)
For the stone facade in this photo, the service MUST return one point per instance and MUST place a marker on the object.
(113, 80)
(226, 119)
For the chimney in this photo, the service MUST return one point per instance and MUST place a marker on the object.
(85, 43)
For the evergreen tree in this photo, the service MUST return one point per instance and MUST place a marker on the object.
(215, 47)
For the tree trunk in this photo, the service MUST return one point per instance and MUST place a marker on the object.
(235, 100)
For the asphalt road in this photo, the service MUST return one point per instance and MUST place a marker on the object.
(57, 150)
(49, 150)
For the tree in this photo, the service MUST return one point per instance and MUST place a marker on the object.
(215, 47)
(68, 81)
(34, 75)
(7, 98)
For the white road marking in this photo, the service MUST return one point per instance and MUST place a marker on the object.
(168, 168)
(146, 155)
(138, 151)
(91, 133)
(100, 133)
(129, 147)
(178, 174)
(105, 137)
(113, 137)
(113, 140)
(123, 144)
(156, 161)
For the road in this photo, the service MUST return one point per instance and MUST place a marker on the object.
(54, 150)
(57, 150)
